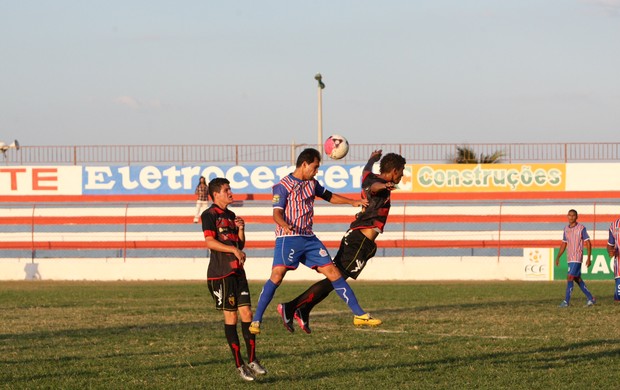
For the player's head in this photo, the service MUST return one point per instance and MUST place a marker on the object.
(308, 156)
(572, 216)
(202, 180)
(308, 163)
(219, 189)
(393, 164)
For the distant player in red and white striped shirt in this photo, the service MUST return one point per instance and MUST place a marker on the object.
(575, 237)
(613, 244)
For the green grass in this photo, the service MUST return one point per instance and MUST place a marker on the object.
(436, 335)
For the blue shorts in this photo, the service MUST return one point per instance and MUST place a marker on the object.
(292, 250)
(574, 270)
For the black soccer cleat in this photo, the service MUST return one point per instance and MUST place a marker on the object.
(303, 320)
(287, 320)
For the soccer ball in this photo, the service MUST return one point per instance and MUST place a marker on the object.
(336, 146)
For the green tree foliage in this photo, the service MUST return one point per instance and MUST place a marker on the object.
(466, 155)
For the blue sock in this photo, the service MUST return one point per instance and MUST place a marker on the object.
(266, 295)
(345, 292)
(569, 290)
(582, 286)
(617, 293)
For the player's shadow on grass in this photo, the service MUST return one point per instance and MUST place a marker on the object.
(99, 331)
(534, 358)
(553, 356)
(65, 343)
(511, 305)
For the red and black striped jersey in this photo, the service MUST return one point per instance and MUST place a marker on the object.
(375, 215)
(220, 224)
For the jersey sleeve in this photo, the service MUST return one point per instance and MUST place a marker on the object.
(564, 236)
(371, 179)
(584, 234)
(280, 196)
(612, 240)
(209, 227)
(321, 192)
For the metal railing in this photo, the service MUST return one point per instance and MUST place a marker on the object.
(283, 153)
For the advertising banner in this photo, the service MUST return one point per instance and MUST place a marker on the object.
(538, 264)
(258, 179)
(50, 180)
(601, 268)
(174, 179)
(488, 177)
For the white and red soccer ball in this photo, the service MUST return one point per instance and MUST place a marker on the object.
(336, 146)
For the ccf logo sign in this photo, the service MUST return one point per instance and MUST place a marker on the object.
(537, 264)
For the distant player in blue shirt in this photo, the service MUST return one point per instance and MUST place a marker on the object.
(575, 236)
(612, 249)
(293, 213)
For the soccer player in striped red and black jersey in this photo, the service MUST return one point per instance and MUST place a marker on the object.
(293, 212)
(613, 244)
(225, 236)
(574, 238)
(358, 244)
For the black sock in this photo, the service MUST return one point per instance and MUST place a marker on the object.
(312, 296)
(250, 340)
(233, 341)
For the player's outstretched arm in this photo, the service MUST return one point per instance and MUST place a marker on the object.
(374, 157)
(339, 199)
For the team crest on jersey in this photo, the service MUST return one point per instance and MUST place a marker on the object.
(231, 301)
(275, 199)
(322, 252)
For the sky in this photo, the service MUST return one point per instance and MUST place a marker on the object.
(155, 72)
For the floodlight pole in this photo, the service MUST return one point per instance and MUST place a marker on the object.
(321, 86)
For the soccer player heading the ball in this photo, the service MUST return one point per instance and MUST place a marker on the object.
(358, 244)
(293, 212)
(575, 235)
(225, 237)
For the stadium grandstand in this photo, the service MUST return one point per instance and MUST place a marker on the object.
(68, 210)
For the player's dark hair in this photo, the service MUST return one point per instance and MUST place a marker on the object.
(201, 178)
(574, 211)
(216, 184)
(391, 161)
(308, 156)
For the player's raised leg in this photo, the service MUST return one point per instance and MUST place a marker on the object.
(345, 292)
(299, 308)
(266, 295)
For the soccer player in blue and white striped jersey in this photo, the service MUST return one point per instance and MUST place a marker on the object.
(575, 237)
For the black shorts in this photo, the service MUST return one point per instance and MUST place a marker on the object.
(354, 252)
(230, 292)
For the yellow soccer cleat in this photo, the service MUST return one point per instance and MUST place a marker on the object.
(366, 320)
(255, 327)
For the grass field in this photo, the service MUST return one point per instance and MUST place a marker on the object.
(436, 335)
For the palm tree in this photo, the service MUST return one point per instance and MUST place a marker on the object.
(466, 155)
